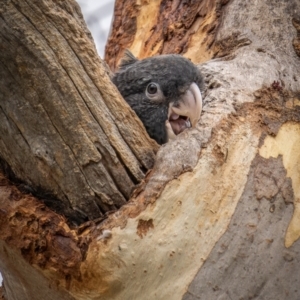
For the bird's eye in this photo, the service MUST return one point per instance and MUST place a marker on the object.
(152, 88)
(154, 92)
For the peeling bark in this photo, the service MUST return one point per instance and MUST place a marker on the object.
(163, 27)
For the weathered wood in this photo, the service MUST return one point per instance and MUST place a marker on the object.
(65, 130)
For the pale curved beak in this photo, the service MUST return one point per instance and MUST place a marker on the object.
(186, 113)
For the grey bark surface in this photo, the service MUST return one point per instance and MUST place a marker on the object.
(265, 55)
(65, 130)
(251, 261)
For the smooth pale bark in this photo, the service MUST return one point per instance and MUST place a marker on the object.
(218, 216)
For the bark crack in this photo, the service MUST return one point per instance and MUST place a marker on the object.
(16, 126)
(131, 174)
(79, 94)
(114, 119)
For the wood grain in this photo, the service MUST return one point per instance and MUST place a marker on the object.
(66, 131)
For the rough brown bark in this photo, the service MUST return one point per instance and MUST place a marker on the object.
(223, 221)
(32, 235)
(162, 27)
(65, 130)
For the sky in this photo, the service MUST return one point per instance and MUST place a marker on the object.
(98, 16)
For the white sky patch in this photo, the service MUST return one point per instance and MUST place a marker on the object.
(98, 16)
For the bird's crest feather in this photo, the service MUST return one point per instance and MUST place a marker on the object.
(127, 60)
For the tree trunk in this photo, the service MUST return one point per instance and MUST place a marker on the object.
(218, 215)
(66, 132)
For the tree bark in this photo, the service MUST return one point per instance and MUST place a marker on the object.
(163, 27)
(65, 130)
(218, 215)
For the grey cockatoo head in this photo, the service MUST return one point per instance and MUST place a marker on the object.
(164, 91)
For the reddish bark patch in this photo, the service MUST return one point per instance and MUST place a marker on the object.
(41, 236)
(172, 31)
(123, 31)
(175, 22)
(143, 227)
